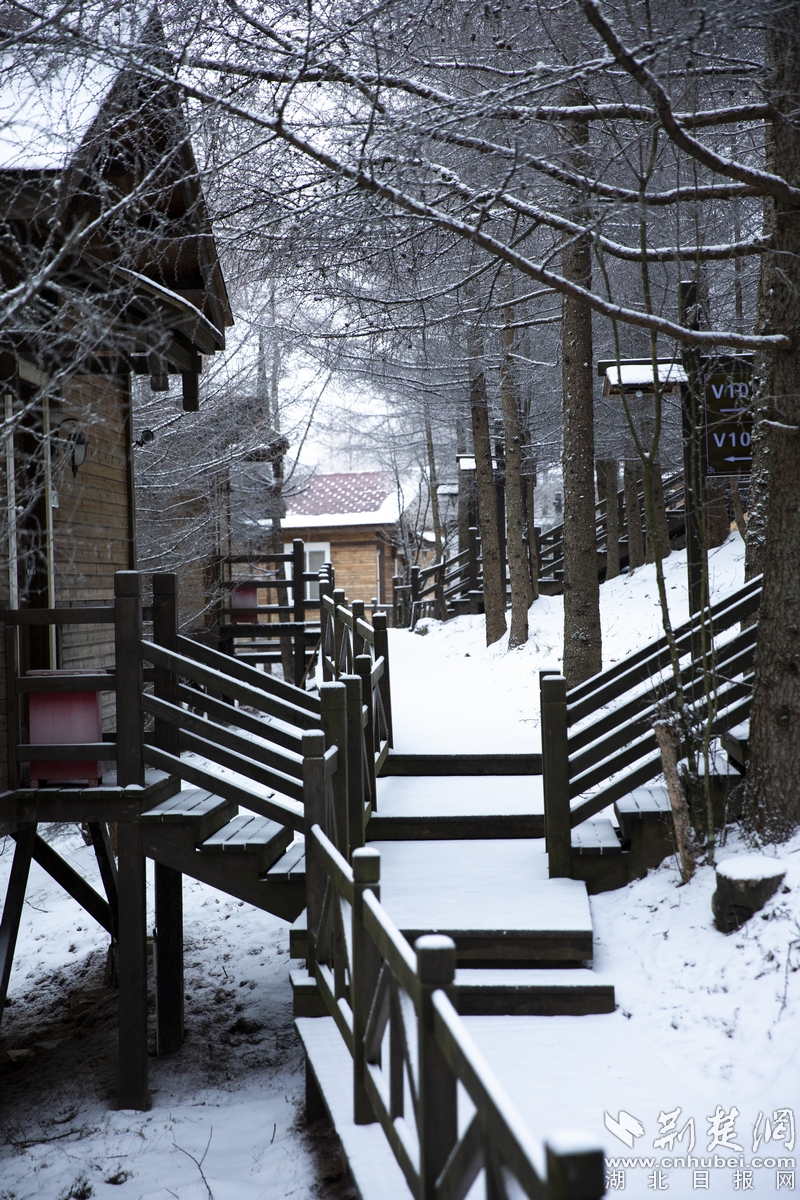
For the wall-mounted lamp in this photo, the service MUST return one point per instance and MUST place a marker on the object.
(77, 441)
(145, 438)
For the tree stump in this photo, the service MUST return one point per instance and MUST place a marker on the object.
(744, 885)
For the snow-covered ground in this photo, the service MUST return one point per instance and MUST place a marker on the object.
(706, 1023)
(452, 693)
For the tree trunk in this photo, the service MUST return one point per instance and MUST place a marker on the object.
(633, 515)
(515, 499)
(432, 484)
(718, 522)
(662, 525)
(582, 639)
(494, 599)
(773, 777)
(607, 472)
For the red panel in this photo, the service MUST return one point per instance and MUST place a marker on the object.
(244, 602)
(64, 717)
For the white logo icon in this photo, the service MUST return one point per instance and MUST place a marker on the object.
(625, 1127)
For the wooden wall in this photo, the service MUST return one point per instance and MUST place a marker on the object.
(354, 554)
(93, 526)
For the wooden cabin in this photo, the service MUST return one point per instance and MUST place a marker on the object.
(349, 519)
(129, 283)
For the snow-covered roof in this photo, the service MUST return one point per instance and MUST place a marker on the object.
(346, 498)
(640, 375)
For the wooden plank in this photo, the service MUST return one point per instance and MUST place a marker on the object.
(282, 760)
(262, 841)
(100, 682)
(240, 671)
(69, 751)
(201, 810)
(60, 616)
(222, 682)
(461, 764)
(287, 736)
(243, 765)
(596, 837)
(264, 806)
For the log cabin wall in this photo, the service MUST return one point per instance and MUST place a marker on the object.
(361, 556)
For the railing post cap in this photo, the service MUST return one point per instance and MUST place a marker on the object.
(379, 621)
(554, 687)
(313, 743)
(165, 583)
(436, 958)
(366, 865)
(333, 694)
(127, 583)
(352, 684)
(575, 1166)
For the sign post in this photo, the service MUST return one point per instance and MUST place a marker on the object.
(728, 416)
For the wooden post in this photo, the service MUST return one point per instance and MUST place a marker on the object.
(168, 946)
(366, 967)
(384, 683)
(437, 1116)
(574, 1170)
(325, 619)
(12, 706)
(339, 631)
(555, 765)
(333, 703)
(14, 903)
(128, 677)
(359, 642)
(355, 763)
(132, 948)
(364, 671)
(314, 787)
(299, 598)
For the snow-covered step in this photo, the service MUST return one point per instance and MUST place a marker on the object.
(497, 991)
(735, 743)
(596, 837)
(535, 992)
(193, 808)
(250, 842)
(329, 1091)
(458, 806)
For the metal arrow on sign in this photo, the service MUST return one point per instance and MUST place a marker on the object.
(743, 458)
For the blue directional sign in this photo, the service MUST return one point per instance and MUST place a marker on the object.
(729, 422)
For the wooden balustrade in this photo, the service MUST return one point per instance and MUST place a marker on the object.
(393, 1008)
(598, 742)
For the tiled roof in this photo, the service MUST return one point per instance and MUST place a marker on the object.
(352, 492)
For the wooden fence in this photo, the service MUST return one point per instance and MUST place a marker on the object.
(393, 1006)
(286, 636)
(598, 741)
(453, 586)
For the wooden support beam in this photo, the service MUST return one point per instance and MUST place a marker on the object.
(98, 831)
(333, 701)
(132, 970)
(12, 909)
(69, 879)
(169, 959)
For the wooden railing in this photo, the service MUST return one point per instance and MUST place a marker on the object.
(453, 586)
(598, 742)
(287, 619)
(393, 1006)
(350, 645)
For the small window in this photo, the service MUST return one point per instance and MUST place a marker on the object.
(317, 554)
